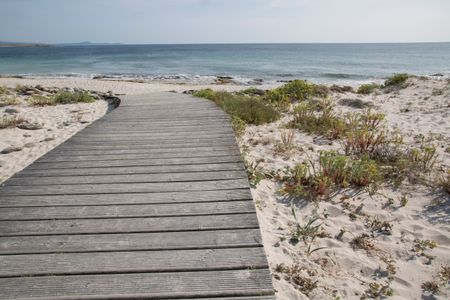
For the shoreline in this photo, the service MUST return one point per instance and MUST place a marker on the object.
(125, 86)
(221, 80)
(141, 86)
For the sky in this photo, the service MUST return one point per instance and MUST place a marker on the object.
(225, 21)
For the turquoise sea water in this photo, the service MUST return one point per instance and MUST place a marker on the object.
(271, 62)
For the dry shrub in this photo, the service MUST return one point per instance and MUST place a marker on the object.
(299, 277)
(286, 144)
(10, 121)
(41, 101)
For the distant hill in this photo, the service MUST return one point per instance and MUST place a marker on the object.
(21, 44)
(86, 44)
(18, 44)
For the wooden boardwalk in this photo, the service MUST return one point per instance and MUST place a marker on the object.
(149, 202)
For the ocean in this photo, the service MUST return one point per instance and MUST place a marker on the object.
(321, 63)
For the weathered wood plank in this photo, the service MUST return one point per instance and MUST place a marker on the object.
(143, 117)
(163, 140)
(236, 298)
(125, 198)
(150, 138)
(173, 145)
(82, 189)
(109, 123)
(126, 156)
(136, 162)
(111, 211)
(150, 151)
(251, 282)
(131, 261)
(128, 225)
(142, 169)
(155, 133)
(131, 241)
(127, 178)
(159, 130)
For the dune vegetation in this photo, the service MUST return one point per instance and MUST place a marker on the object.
(330, 166)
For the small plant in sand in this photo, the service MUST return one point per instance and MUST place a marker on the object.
(7, 100)
(441, 279)
(255, 173)
(403, 200)
(73, 97)
(286, 145)
(238, 125)
(444, 273)
(335, 166)
(420, 246)
(376, 225)
(423, 157)
(10, 121)
(391, 269)
(298, 276)
(3, 90)
(378, 290)
(365, 135)
(363, 241)
(302, 182)
(308, 231)
(367, 88)
(38, 100)
(431, 286)
(398, 80)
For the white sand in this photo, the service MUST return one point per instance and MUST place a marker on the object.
(339, 270)
(119, 87)
(58, 124)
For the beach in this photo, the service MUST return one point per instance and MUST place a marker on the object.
(412, 213)
(261, 149)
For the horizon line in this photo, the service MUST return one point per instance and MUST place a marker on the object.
(218, 43)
